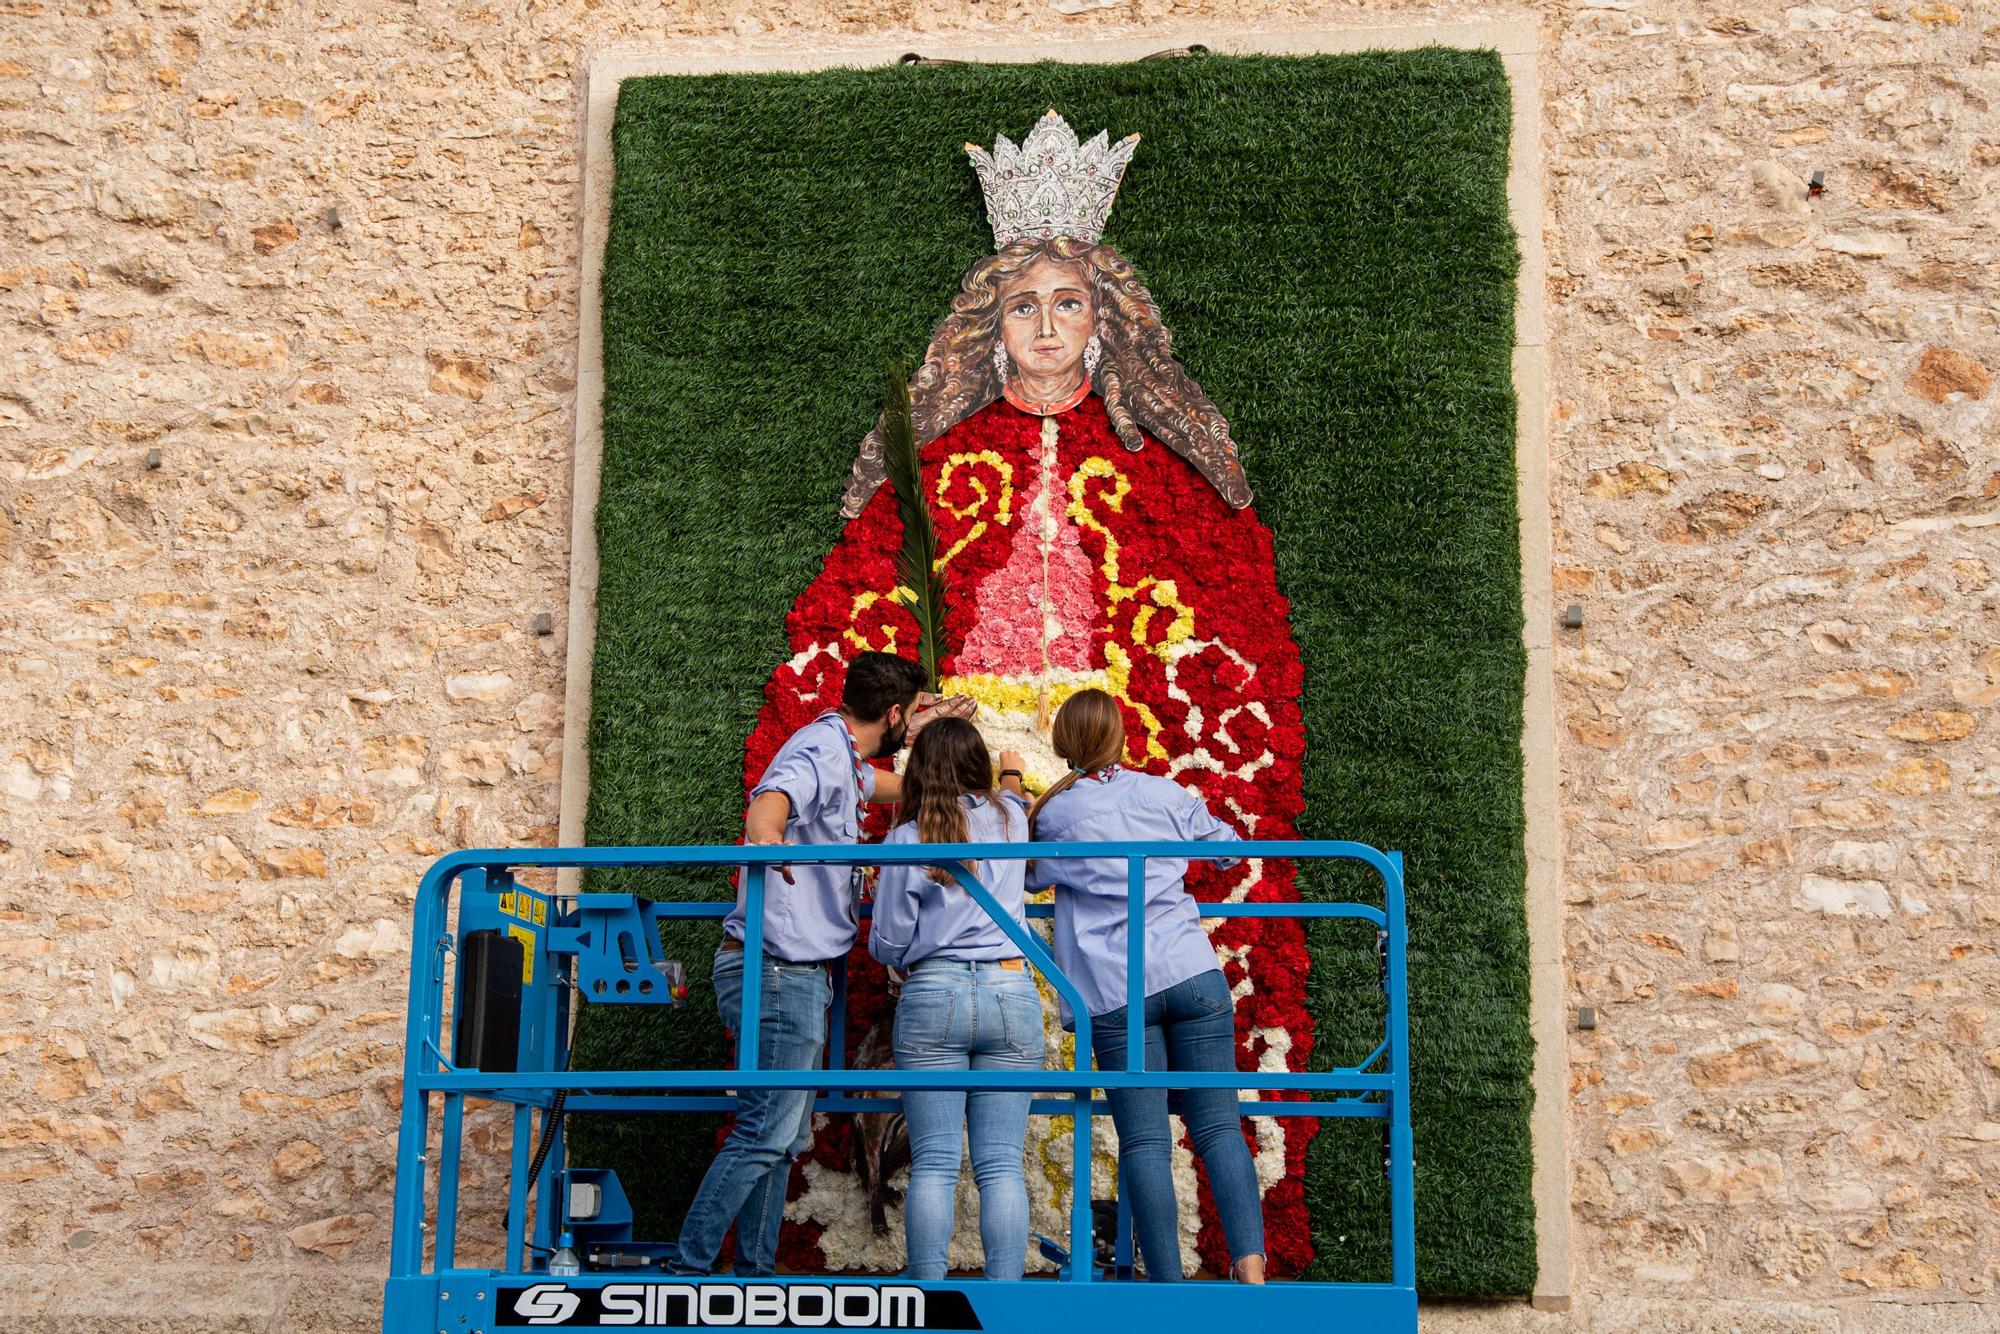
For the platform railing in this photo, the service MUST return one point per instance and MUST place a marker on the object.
(1381, 1092)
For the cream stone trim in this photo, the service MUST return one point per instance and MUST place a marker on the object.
(1517, 42)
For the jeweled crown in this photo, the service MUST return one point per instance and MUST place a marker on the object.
(1050, 185)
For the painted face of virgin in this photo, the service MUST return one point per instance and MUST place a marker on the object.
(1046, 318)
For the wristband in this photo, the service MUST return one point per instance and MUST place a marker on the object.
(1012, 773)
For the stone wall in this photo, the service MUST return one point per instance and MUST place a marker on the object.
(1778, 477)
(290, 301)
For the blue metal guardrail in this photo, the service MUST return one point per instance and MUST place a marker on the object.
(607, 948)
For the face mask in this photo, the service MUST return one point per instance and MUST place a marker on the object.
(893, 737)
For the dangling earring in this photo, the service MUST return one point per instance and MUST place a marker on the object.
(1000, 361)
(1093, 352)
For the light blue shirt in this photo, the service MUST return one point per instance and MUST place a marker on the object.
(918, 918)
(813, 917)
(1090, 891)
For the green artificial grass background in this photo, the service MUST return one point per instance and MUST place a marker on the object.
(1329, 241)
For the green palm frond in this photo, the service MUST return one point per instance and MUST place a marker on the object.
(921, 583)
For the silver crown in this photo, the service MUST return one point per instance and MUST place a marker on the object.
(1050, 185)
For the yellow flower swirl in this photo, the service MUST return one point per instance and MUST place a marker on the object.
(982, 496)
(1159, 594)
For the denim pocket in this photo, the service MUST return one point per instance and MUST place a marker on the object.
(1210, 991)
(923, 1019)
(1021, 1020)
(793, 977)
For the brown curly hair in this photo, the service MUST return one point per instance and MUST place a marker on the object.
(1142, 385)
(948, 760)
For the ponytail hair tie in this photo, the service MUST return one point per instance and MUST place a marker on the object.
(1078, 769)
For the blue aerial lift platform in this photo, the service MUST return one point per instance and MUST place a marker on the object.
(515, 957)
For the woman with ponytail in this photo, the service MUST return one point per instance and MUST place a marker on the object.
(969, 1001)
(1190, 1017)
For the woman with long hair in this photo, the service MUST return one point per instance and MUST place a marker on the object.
(969, 1001)
(1190, 1017)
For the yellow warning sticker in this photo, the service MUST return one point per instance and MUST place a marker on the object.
(541, 912)
(507, 903)
(527, 939)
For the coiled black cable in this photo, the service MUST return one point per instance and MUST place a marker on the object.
(549, 1124)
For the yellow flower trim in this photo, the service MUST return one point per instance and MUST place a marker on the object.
(1098, 466)
(1165, 596)
(1003, 513)
(862, 602)
(1161, 594)
(1004, 695)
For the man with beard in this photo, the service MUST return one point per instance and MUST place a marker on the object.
(810, 793)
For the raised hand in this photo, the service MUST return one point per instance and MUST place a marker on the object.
(929, 708)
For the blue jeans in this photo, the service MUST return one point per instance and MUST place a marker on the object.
(967, 1016)
(746, 1182)
(1189, 1026)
